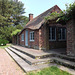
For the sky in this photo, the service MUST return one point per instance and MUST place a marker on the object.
(37, 7)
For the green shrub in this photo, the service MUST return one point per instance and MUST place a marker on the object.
(3, 42)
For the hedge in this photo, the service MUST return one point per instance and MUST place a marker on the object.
(3, 42)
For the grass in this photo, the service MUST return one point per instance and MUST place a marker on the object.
(5, 46)
(50, 71)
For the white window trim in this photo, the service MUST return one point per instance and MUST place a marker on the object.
(50, 30)
(32, 36)
(32, 40)
(61, 36)
(22, 37)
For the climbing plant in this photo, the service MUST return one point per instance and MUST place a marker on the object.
(63, 16)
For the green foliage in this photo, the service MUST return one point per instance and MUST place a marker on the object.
(69, 14)
(63, 16)
(7, 45)
(3, 42)
(49, 71)
(19, 27)
(15, 32)
(70, 10)
(11, 12)
(11, 18)
(53, 15)
(5, 32)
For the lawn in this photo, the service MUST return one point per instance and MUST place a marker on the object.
(50, 71)
(5, 46)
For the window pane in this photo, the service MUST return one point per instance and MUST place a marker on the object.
(33, 35)
(63, 34)
(53, 33)
(59, 33)
(30, 36)
(50, 31)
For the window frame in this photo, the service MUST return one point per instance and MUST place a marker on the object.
(22, 37)
(62, 34)
(32, 36)
(50, 30)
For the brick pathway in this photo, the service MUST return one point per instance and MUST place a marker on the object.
(8, 65)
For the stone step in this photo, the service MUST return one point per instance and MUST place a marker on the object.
(43, 55)
(64, 62)
(23, 51)
(30, 60)
(46, 60)
(24, 65)
(34, 54)
(65, 57)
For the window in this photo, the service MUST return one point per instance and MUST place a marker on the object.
(22, 37)
(62, 33)
(52, 34)
(32, 36)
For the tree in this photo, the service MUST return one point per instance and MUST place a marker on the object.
(11, 18)
(70, 10)
(11, 13)
(15, 32)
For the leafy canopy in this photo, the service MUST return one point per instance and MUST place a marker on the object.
(11, 18)
(15, 32)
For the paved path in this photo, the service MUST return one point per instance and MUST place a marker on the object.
(8, 65)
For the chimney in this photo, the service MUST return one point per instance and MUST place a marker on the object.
(30, 17)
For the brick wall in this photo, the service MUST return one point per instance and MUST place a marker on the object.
(44, 42)
(31, 44)
(35, 43)
(71, 38)
(44, 38)
(57, 44)
(41, 39)
(22, 42)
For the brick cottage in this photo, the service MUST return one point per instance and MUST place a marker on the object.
(41, 35)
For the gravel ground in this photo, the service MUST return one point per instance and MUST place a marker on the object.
(8, 65)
